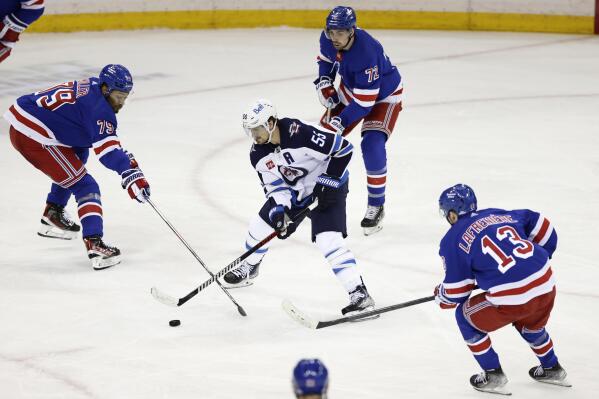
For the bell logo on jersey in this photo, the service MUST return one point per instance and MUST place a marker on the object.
(292, 174)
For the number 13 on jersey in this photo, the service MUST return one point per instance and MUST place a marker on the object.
(522, 248)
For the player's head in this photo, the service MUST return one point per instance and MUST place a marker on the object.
(116, 84)
(310, 379)
(456, 201)
(260, 121)
(340, 26)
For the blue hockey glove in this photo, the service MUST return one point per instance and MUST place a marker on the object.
(135, 183)
(326, 92)
(442, 300)
(326, 190)
(280, 220)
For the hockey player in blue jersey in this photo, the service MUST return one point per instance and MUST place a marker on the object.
(507, 254)
(297, 162)
(53, 129)
(15, 17)
(370, 91)
(310, 379)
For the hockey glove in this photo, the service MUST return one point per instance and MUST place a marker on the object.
(441, 299)
(335, 125)
(280, 220)
(135, 183)
(9, 35)
(326, 92)
(326, 190)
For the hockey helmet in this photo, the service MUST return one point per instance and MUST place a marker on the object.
(258, 114)
(341, 17)
(459, 198)
(310, 377)
(116, 77)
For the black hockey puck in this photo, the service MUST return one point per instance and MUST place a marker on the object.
(174, 323)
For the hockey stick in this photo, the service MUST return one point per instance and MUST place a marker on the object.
(239, 308)
(172, 301)
(309, 322)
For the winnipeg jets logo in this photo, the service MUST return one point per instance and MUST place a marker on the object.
(292, 174)
(293, 129)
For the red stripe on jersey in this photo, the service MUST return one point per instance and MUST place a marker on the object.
(459, 290)
(486, 344)
(398, 92)
(376, 180)
(544, 349)
(106, 145)
(542, 231)
(89, 208)
(366, 97)
(521, 290)
(30, 124)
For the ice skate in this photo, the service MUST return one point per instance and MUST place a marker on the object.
(242, 276)
(56, 223)
(491, 381)
(373, 219)
(101, 255)
(555, 375)
(359, 301)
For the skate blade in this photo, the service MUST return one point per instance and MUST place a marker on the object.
(498, 391)
(49, 231)
(562, 383)
(243, 284)
(368, 309)
(101, 264)
(368, 231)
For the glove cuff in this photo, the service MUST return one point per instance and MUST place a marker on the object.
(130, 176)
(328, 181)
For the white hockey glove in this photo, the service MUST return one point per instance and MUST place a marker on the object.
(442, 300)
(326, 92)
(335, 125)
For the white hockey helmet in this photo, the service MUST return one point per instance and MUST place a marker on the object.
(258, 114)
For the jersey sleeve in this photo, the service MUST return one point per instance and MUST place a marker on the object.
(326, 65)
(459, 279)
(367, 86)
(540, 230)
(272, 182)
(325, 144)
(29, 12)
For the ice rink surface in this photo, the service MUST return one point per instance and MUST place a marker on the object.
(516, 116)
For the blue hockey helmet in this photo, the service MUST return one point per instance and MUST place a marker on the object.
(341, 17)
(459, 198)
(310, 377)
(116, 77)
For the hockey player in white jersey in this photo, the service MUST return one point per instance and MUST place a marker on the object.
(298, 162)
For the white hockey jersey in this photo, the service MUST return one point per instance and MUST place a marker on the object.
(288, 171)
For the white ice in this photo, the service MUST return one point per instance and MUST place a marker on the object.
(516, 116)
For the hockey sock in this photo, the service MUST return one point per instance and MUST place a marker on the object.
(58, 195)
(375, 160)
(478, 342)
(341, 259)
(541, 344)
(257, 230)
(89, 206)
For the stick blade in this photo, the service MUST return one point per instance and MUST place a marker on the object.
(164, 298)
(298, 315)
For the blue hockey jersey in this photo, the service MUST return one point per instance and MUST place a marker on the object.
(367, 74)
(71, 114)
(288, 171)
(505, 253)
(19, 14)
